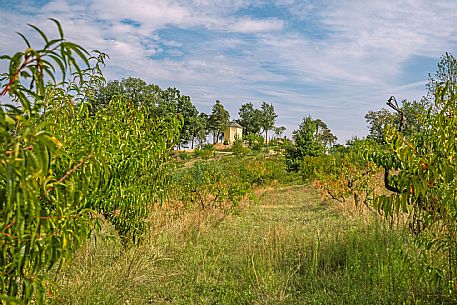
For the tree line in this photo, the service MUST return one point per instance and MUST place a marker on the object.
(197, 126)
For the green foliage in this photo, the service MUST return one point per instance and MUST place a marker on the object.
(345, 173)
(239, 149)
(206, 151)
(199, 129)
(134, 89)
(446, 72)
(377, 121)
(43, 213)
(424, 183)
(268, 118)
(163, 103)
(223, 183)
(324, 135)
(185, 155)
(257, 121)
(255, 142)
(261, 171)
(208, 184)
(63, 167)
(413, 120)
(218, 121)
(130, 144)
(278, 131)
(308, 141)
(190, 117)
(250, 119)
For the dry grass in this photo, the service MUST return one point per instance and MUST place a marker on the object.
(286, 247)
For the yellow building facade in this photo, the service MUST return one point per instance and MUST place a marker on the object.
(232, 132)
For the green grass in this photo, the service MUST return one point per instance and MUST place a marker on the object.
(288, 249)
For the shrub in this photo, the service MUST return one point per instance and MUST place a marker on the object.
(208, 184)
(255, 142)
(185, 155)
(239, 149)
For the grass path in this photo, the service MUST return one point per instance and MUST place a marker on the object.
(287, 249)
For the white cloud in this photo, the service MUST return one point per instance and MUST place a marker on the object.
(352, 63)
(254, 26)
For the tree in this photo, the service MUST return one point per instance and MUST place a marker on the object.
(172, 103)
(267, 118)
(420, 172)
(415, 115)
(307, 142)
(199, 129)
(377, 122)
(218, 121)
(133, 89)
(189, 115)
(446, 72)
(61, 166)
(168, 102)
(278, 131)
(412, 114)
(324, 135)
(250, 119)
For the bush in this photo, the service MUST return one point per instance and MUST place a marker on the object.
(226, 181)
(205, 152)
(255, 142)
(239, 149)
(208, 184)
(185, 155)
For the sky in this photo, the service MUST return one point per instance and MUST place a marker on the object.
(333, 60)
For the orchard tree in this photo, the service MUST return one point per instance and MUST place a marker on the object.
(61, 166)
(415, 115)
(420, 172)
(170, 104)
(218, 121)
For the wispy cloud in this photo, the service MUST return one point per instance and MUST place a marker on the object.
(332, 59)
(255, 26)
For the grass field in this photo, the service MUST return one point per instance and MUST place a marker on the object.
(287, 248)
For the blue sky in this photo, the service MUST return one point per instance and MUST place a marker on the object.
(333, 60)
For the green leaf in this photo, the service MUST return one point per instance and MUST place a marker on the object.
(59, 27)
(52, 42)
(78, 50)
(40, 32)
(11, 300)
(60, 63)
(25, 39)
(5, 57)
